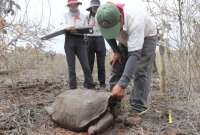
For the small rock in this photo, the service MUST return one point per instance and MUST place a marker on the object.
(83, 133)
(2, 81)
(8, 83)
(121, 118)
(91, 130)
(133, 121)
(169, 131)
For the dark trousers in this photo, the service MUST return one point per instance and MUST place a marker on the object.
(96, 46)
(76, 46)
(136, 65)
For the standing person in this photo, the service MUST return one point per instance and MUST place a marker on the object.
(134, 56)
(75, 46)
(96, 44)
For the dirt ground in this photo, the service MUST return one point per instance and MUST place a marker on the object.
(22, 109)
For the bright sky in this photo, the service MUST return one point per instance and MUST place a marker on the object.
(53, 10)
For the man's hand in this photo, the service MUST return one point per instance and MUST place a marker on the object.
(72, 29)
(116, 57)
(118, 91)
(2, 23)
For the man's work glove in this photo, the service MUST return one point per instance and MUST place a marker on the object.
(118, 92)
(116, 57)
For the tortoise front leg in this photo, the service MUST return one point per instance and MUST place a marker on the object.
(102, 124)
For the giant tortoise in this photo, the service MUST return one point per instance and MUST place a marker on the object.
(82, 110)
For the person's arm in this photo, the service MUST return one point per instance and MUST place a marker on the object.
(113, 44)
(118, 90)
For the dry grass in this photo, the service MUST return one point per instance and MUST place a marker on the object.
(38, 78)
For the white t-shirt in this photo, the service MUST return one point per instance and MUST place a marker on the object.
(137, 25)
(77, 20)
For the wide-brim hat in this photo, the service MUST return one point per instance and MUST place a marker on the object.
(93, 3)
(73, 2)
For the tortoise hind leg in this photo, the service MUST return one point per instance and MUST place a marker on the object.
(101, 125)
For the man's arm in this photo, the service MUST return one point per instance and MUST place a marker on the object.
(116, 57)
(113, 45)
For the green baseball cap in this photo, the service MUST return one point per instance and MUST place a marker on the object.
(108, 19)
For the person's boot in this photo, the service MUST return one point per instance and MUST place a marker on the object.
(102, 85)
(90, 86)
(72, 85)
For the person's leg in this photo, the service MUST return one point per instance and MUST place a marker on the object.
(70, 57)
(142, 79)
(91, 53)
(82, 54)
(101, 55)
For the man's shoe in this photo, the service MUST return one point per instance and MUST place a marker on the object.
(138, 109)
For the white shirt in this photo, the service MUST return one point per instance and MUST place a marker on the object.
(137, 25)
(92, 23)
(76, 20)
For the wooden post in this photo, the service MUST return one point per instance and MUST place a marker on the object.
(162, 69)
